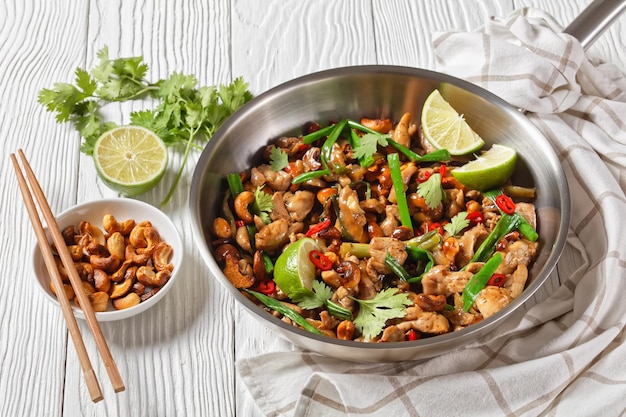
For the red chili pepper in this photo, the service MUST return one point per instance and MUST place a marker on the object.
(497, 280)
(505, 204)
(411, 335)
(240, 223)
(442, 170)
(321, 261)
(435, 226)
(423, 176)
(475, 217)
(267, 287)
(318, 228)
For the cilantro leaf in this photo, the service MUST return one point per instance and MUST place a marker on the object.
(457, 223)
(315, 298)
(183, 114)
(278, 159)
(432, 191)
(368, 145)
(263, 204)
(373, 314)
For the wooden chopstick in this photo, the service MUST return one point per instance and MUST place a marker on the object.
(57, 238)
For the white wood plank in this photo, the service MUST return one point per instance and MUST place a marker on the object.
(33, 338)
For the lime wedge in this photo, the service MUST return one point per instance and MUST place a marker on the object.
(489, 170)
(444, 128)
(293, 270)
(130, 159)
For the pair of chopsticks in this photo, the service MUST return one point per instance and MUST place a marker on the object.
(90, 377)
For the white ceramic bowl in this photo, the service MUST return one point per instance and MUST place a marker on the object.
(122, 209)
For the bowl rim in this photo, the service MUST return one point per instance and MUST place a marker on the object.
(422, 345)
(38, 266)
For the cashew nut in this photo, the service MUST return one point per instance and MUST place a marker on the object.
(101, 280)
(92, 231)
(241, 203)
(111, 225)
(150, 278)
(116, 244)
(161, 257)
(130, 300)
(221, 228)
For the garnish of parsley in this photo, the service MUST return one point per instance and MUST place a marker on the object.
(185, 115)
(263, 205)
(432, 191)
(457, 223)
(373, 314)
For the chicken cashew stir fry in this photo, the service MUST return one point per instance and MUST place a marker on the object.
(124, 264)
(402, 250)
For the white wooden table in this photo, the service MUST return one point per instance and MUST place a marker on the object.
(178, 358)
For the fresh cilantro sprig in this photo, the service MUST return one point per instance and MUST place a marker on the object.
(316, 298)
(432, 191)
(185, 114)
(263, 204)
(373, 314)
(368, 145)
(457, 223)
(278, 159)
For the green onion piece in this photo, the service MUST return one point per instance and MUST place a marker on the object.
(284, 310)
(428, 241)
(309, 176)
(355, 140)
(422, 255)
(327, 147)
(506, 224)
(234, 183)
(396, 178)
(267, 261)
(524, 227)
(478, 281)
(396, 268)
(359, 126)
(312, 137)
(436, 156)
(360, 250)
(337, 310)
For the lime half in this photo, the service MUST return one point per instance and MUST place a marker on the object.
(444, 128)
(293, 271)
(130, 159)
(489, 170)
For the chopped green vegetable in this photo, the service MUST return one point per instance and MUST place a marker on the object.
(355, 141)
(185, 114)
(284, 310)
(263, 204)
(478, 281)
(438, 155)
(373, 314)
(457, 223)
(396, 268)
(396, 177)
(318, 134)
(327, 147)
(278, 159)
(506, 224)
(338, 311)
(432, 191)
(234, 184)
(422, 255)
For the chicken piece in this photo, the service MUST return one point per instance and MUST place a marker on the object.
(352, 215)
(469, 242)
(426, 322)
(379, 248)
(492, 299)
(276, 180)
(527, 211)
(517, 281)
(391, 222)
(299, 204)
(392, 334)
(519, 252)
(273, 236)
(278, 211)
(440, 280)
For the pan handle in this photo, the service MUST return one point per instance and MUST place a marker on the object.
(594, 20)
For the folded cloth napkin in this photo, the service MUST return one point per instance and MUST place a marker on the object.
(566, 355)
